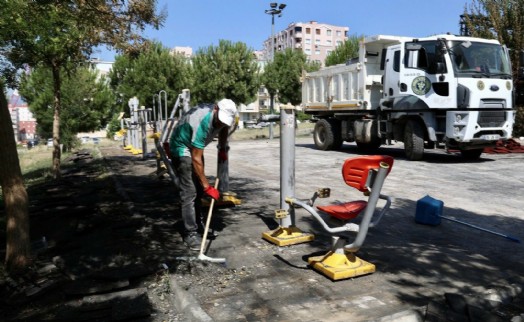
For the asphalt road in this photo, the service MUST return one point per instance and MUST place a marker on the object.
(415, 264)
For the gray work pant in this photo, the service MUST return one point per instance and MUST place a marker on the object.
(191, 192)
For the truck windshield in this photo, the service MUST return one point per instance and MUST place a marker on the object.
(474, 59)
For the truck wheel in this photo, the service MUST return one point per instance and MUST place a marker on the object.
(414, 141)
(327, 135)
(471, 154)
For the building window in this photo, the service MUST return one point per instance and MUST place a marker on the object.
(317, 52)
(308, 31)
(339, 43)
(308, 41)
(308, 51)
(328, 32)
(329, 42)
(338, 33)
(317, 41)
(317, 31)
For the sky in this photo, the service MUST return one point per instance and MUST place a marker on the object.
(202, 23)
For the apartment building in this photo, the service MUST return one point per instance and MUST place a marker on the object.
(315, 39)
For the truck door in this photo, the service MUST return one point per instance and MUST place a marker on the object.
(392, 72)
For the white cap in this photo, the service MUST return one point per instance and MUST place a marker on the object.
(227, 111)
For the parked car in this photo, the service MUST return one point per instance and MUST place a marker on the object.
(50, 142)
(32, 143)
(96, 140)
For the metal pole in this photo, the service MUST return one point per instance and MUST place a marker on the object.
(287, 162)
(143, 124)
(272, 96)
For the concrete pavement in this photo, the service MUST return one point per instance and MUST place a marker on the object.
(421, 270)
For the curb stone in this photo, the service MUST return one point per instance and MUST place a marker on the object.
(186, 303)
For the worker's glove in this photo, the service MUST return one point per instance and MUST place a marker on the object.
(222, 155)
(212, 192)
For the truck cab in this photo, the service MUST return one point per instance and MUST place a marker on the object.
(448, 89)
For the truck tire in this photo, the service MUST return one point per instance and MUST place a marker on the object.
(413, 141)
(471, 154)
(327, 134)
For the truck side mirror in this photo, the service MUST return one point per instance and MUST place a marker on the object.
(441, 67)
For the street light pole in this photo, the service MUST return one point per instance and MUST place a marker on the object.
(275, 9)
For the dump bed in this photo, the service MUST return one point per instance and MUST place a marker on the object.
(356, 85)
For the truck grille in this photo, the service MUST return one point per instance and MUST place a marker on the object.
(492, 103)
(491, 118)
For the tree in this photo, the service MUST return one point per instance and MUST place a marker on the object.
(147, 72)
(347, 50)
(283, 75)
(227, 70)
(14, 194)
(57, 33)
(86, 102)
(502, 20)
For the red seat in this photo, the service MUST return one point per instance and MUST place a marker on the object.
(345, 211)
(355, 173)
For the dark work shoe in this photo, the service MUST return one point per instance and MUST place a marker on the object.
(193, 240)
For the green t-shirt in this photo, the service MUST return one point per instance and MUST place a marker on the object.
(194, 129)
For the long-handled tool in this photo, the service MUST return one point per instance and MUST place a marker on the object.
(429, 212)
(201, 255)
(483, 229)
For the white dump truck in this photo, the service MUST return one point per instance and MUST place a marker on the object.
(440, 91)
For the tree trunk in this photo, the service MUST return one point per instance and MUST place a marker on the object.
(14, 194)
(56, 122)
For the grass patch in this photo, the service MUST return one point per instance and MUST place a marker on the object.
(303, 129)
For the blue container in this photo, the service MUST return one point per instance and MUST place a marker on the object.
(429, 211)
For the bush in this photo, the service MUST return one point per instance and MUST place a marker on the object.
(301, 116)
(518, 127)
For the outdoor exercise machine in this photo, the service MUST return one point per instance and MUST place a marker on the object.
(364, 173)
(136, 128)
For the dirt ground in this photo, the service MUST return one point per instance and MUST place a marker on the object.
(89, 238)
(107, 242)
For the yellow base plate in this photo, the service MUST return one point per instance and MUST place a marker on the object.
(285, 236)
(341, 266)
(128, 147)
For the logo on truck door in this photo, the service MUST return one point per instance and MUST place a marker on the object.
(421, 85)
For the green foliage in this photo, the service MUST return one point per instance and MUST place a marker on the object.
(113, 127)
(518, 128)
(146, 73)
(283, 75)
(301, 116)
(346, 51)
(86, 102)
(228, 70)
(60, 34)
(502, 20)
(55, 32)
